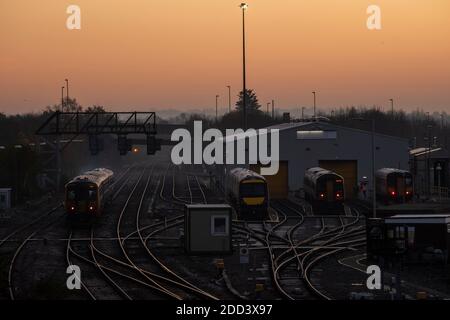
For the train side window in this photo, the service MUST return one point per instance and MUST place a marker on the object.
(219, 225)
(400, 232)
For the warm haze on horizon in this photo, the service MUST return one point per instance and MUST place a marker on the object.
(178, 54)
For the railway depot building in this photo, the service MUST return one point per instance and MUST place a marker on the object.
(430, 168)
(346, 151)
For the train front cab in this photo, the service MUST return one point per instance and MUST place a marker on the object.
(399, 188)
(83, 199)
(330, 192)
(253, 200)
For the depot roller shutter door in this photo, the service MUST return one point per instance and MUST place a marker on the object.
(278, 184)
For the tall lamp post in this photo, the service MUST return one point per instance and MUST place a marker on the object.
(67, 90)
(374, 188)
(244, 7)
(62, 99)
(439, 169)
(392, 106)
(314, 106)
(429, 127)
(229, 98)
(217, 103)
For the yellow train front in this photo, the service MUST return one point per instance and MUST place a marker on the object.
(247, 192)
(85, 195)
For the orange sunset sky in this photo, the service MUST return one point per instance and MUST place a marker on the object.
(178, 54)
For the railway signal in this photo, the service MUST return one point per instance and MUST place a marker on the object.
(60, 125)
(94, 144)
(123, 145)
(153, 145)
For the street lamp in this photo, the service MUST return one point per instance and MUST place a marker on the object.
(268, 106)
(62, 99)
(392, 105)
(244, 7)
(67, 90)
(303, 113)
(374, 192)
(439, 169)
(229, 98)
(314, 94)
(429, 127)
(217, 102)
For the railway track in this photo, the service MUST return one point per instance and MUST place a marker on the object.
(41, 227)
(293, 258)
(169, 283)
(87, 253)
(120, 253)
(177, 221)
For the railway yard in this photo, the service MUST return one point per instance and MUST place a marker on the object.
(135, 249)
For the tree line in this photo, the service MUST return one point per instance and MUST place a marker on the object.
(21, 163)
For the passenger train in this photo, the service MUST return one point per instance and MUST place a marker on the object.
(87, 194)
(248, 193)
(394, 185)
(324, 188)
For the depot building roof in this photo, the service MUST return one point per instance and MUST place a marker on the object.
(419, 219)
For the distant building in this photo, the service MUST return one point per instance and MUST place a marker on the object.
(344, 150)
(430, 168)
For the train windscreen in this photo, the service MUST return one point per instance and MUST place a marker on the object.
(339, 186)
(81, 192)
(253, 190)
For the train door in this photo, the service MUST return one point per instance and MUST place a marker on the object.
(401, 186)
(330, 190)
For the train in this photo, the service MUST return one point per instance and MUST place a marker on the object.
(324, 188)
(248, 193)
(394, 185)
(87, 194)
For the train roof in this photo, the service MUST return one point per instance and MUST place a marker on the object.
(97, 176)
(243, 173)
(318, 172)
(386, 171)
